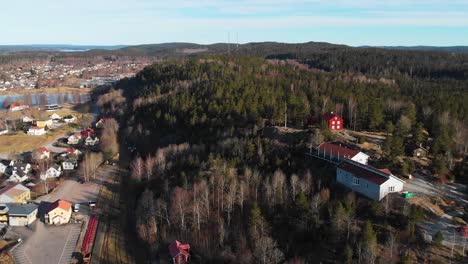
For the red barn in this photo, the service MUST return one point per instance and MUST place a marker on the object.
(335, 122)
(179, 252)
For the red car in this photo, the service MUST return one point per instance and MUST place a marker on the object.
(462, 230)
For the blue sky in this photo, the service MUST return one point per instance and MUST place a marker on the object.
(352, 22)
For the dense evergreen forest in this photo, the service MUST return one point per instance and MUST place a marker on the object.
(206, 171)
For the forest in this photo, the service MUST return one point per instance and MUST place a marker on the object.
(206, 173)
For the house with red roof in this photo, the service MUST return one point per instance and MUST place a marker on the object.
(18, 106)
(43, 153)
(334, 121)
(59, 212)
(36, 131)
(337, 153)
(89, 132)
(368, 181)
(179, 252)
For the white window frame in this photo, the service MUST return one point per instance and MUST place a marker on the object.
(356, 181)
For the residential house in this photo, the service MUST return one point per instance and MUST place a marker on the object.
(36, 131)
(55, 117)
(20, 171)
(18, 106)
(3, 214)
(366, 180)
(4, 132)
(89, 132)
(59, 212)
(420, 152)
(43, 153)
(91, 141)
(69, 164)
(69, 119)
(179, 252)
(53, 172)
(72, 152)
(46, 123)
(334, 122)
(337, 153)
(15, 193)
(21, 214)
(5, 166)
(100, 123)
(74, 139)
(27, 119)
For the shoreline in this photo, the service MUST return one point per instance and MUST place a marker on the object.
(46, 91)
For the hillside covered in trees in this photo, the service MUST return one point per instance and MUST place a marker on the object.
(205, 171)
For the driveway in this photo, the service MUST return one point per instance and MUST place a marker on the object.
(455, 192)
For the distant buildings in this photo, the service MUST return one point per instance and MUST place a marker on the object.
(18, 106)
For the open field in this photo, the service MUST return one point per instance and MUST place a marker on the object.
(46, 90)
(19, 142)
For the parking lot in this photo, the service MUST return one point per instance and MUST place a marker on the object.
(45, 244)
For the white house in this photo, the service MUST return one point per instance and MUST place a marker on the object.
(55, 117)
(69, 119)
(91, 141)
(72, 151)
(3, 132)
(74, 139)
(27, 119)
(4, 164)
(18, 176)
(36, 131)
(53, 172)
(44, 153)
(338, 153)
(21, 214)
(18, 106)
(69, 165)
(366, 180)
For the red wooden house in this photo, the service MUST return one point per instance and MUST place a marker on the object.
(89, 132)
(334, 122)
(179, 252)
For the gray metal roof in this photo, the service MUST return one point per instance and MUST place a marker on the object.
(21, 209)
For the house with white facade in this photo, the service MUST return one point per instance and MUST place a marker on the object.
(91, 141)
(28, 119)
(43, 153)
(69, 164)
(337, 153)
(53, 172)
(36, 131)
(69, 119)
(74, 139)
(368, 181)
(55, 117)
(19, 171)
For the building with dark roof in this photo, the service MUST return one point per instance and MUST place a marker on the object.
(366, 180)
(337, 153)
(21, 214)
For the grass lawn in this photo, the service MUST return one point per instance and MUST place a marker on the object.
(20, 142)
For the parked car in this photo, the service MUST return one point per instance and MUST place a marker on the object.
(462, 231)
(76, 208)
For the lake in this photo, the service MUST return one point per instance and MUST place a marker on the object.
(44, 99)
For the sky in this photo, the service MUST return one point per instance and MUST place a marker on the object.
(131, 22)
